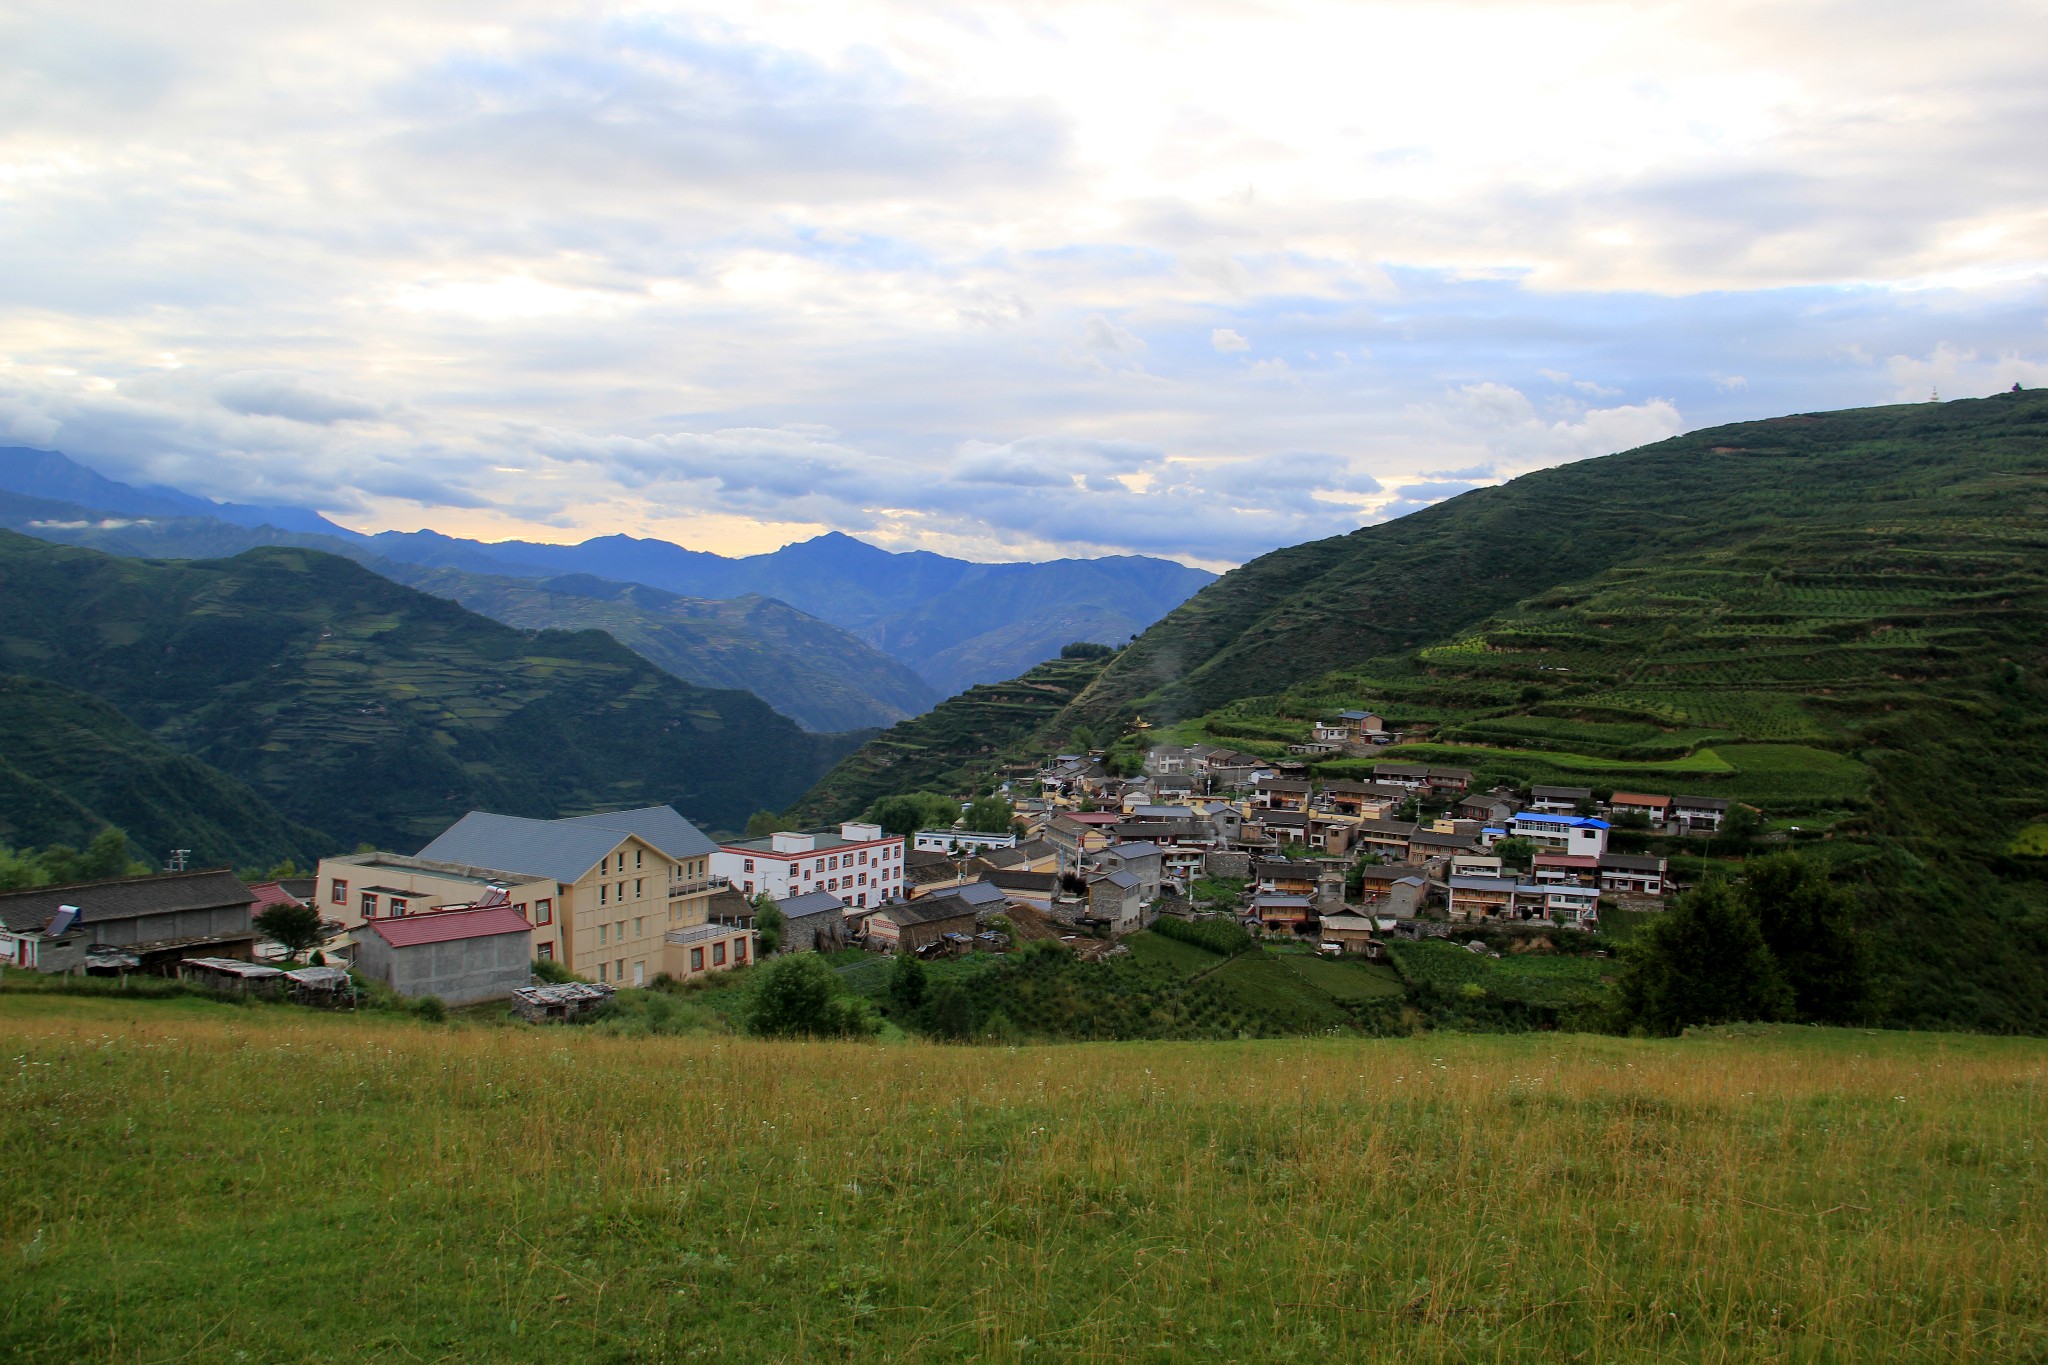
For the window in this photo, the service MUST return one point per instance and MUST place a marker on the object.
(863, 879)
(739, 950)
(863, 857)
(369, 906)
(604, 892)
(546, 952)
(544, 911)
(639, 924)
(718, 954)
(622, 969)
(339, 895)
(696, 959)
(637, 893)
(603, 933)
(600, 971)
(750, 886)
(833, 862)
(636, 857)
(749, 867)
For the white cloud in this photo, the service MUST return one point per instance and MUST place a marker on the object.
(950, 274)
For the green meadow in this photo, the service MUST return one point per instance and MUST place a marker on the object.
(191, 1181)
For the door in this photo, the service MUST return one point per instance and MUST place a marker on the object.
(639, 971)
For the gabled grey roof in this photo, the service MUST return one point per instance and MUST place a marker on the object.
(810, 903)
(562, 849)
(979, 894)
(124, 898)
(1123, 880)
(658, 825)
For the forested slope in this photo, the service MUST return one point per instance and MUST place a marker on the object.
(374, 712)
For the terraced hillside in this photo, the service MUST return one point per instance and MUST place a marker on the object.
(1431, 577)
(71, 765)
(374, 712)
(954, 746)
(1864, 658)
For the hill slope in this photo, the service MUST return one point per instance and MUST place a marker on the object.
(824, 678)
(820, 676)
(1842, 619)
(71, 765)
(375, 712)
(951, 748)
(1425, 577)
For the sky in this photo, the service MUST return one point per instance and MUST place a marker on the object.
(1195, 279)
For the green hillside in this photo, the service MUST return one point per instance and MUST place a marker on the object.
(1840, 621)
(952, 747)
(818, 675)
(824, 678)
(1428, 577)
(374, 712)
(72, 765)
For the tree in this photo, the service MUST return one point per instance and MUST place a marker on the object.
(950, 1014)
(905, 815)
(1810, 926)
(769, 922)
(907, 983)
(1704, 961)
(802, 997)
(990, 815)
(292, 926)
(765, 822)
(1083, 739)
(1740, 827)
(1086, 649)
(1516, 852)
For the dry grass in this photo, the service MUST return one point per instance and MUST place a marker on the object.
(192, 1182)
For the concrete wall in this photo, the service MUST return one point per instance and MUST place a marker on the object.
(460, 971)
(215, 923)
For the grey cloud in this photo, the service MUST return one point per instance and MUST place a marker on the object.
(274, 393)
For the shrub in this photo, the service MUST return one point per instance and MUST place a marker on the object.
(431, 1008)
(553, 973)
(1222, 936)
(800, 996)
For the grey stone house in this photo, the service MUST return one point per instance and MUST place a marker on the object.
(814, 920)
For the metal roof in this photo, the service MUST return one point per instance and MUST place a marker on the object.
(124, 898)
(563, 849)
(809, 903)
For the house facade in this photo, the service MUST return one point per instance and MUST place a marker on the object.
(355, 889)
(462, 956)
(1580, 834)
(860, 864)
(625, 882)
(146, 924)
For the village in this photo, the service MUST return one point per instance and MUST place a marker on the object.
(554, 916)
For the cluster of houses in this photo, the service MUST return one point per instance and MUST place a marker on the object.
(620, 898)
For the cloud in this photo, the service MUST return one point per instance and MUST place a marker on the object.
(740, 275)
(271, 393)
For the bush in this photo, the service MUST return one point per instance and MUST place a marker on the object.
(553, 973)
(1222, 936)
(800, 996)
(431, 1008)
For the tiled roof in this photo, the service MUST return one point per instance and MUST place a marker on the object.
(810, 903)
(415, 930)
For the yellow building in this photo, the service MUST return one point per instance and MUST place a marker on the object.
(632, 889)
(355, 888)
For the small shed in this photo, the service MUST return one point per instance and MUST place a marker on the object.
(459, 955)
(231, 976)
(558, 1004)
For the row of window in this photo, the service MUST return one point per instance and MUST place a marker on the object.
(397, 907)
(831, 862)
(605, 894)
(607, 932)
(604, 869)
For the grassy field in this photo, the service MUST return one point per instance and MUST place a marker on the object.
(191, 1181)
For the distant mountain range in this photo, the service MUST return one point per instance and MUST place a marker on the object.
(951, 622)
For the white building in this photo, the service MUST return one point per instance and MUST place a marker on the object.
(860, 864)
(1579, 835)
(960, 841)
